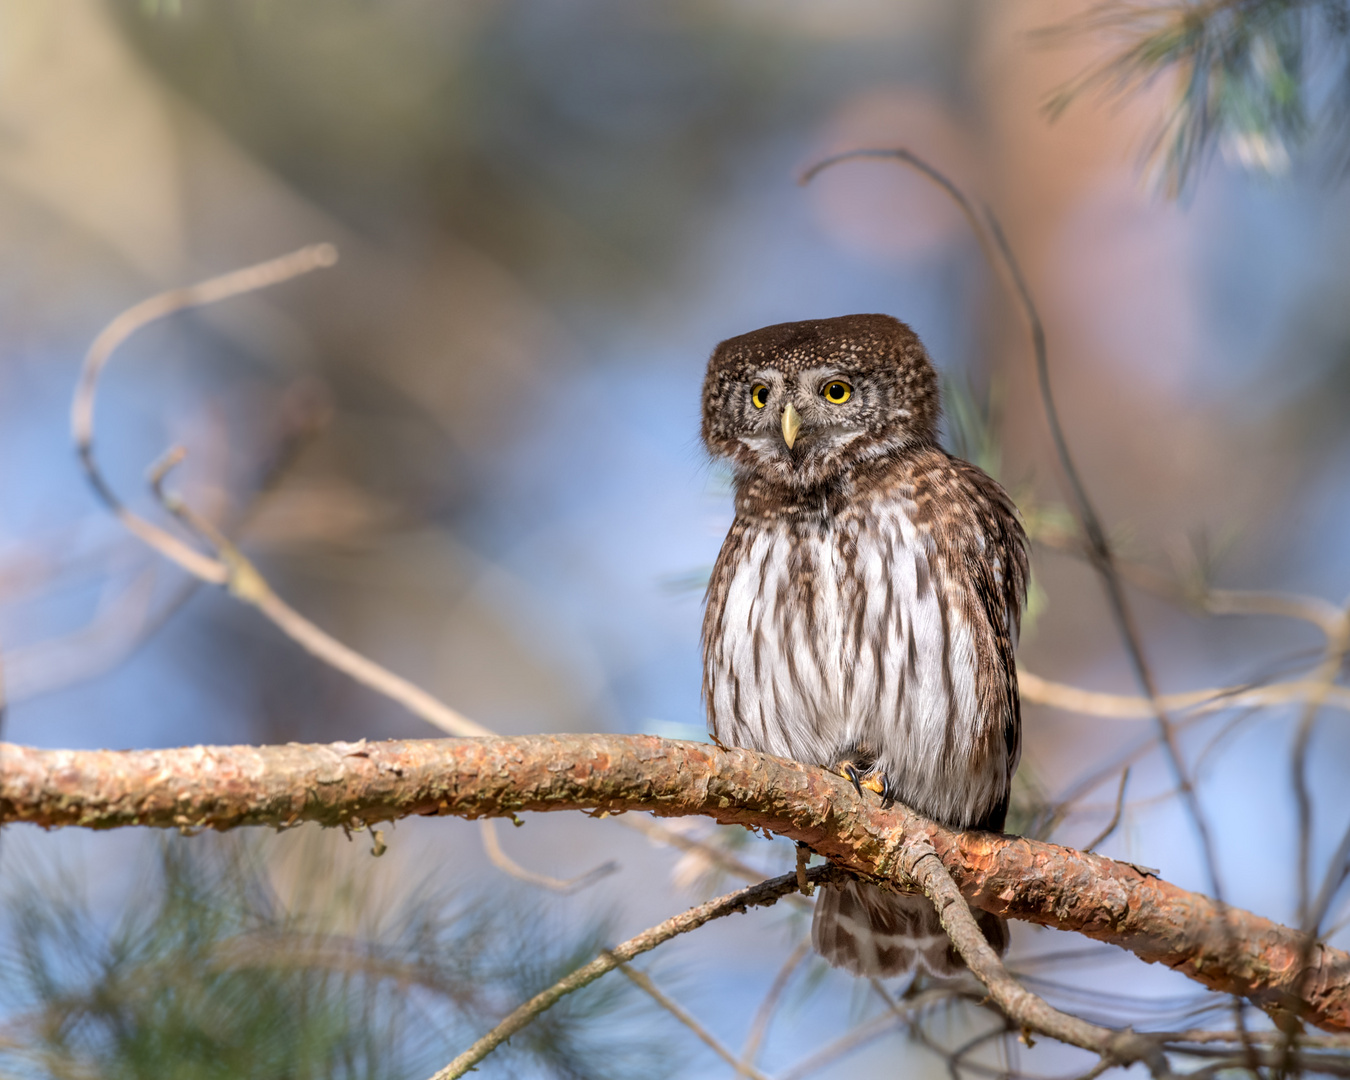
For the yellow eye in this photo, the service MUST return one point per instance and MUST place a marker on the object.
(759, 395)
(837, 392)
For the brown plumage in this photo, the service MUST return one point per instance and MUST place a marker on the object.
(863, 612)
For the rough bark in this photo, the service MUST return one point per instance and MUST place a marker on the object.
(359, 783)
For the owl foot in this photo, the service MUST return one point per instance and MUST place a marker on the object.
(881, 784)
(850, 772)
(872, 781)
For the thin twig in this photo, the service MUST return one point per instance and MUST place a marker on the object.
(1102, 558)
(917, 163)
(1316, 610)
(245, 583)
(226, 565)
(686, 1018)
(899, 1015)
(1074, 699)
(763, 894)
(503, 862)
(126, 617)
(1310, 915)
(1097, 777)
(659, 833)
(956, 1058)
(1338, 868)
(1115, 818)
(759, 1026)
(250, 279)
(921, 862)
(1265, 1038)
(1338, 643)
(1322, 613)
(803, 861)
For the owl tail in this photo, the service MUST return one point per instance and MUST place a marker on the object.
(868, 931)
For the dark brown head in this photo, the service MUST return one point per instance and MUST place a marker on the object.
(804, 403)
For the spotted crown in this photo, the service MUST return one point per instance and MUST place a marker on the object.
(894, 396)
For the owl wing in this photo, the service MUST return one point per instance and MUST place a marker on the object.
(988, 542)
(733, 729)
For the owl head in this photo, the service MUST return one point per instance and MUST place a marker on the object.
(804, 403)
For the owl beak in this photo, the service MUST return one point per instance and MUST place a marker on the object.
(792, 423)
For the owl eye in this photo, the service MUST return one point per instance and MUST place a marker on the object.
(837, 391)
(759, 396)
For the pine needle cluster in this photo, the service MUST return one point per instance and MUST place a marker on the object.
(213, 973)
(1257, 80)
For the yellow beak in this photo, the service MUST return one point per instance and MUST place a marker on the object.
(792, 423)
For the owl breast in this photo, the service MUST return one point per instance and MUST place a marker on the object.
(827, 635)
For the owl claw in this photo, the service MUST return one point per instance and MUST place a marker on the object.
(881, 784)
(850, 772)
(877, 782)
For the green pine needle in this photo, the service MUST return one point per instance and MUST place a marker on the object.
(211, 975)
(1243, 72)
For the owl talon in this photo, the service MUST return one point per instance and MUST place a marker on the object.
(850, 772)
(881, 784)
(877, 782)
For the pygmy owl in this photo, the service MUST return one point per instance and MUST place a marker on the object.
(863, 611)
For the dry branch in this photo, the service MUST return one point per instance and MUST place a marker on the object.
(1074, 699)
(707, 1038)
(492, 846)
(227, 565)
(763, 894)
(759, 1027)
(345, 783)
(921, 862)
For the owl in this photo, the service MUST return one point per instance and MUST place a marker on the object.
(864, 608)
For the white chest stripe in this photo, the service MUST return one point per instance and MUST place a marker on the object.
(856, 651)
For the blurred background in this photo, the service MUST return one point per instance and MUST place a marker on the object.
(471, 451)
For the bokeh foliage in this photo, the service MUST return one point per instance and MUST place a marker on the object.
(1255, 79)
(225, 963)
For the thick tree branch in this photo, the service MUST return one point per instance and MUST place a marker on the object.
(353, 783)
